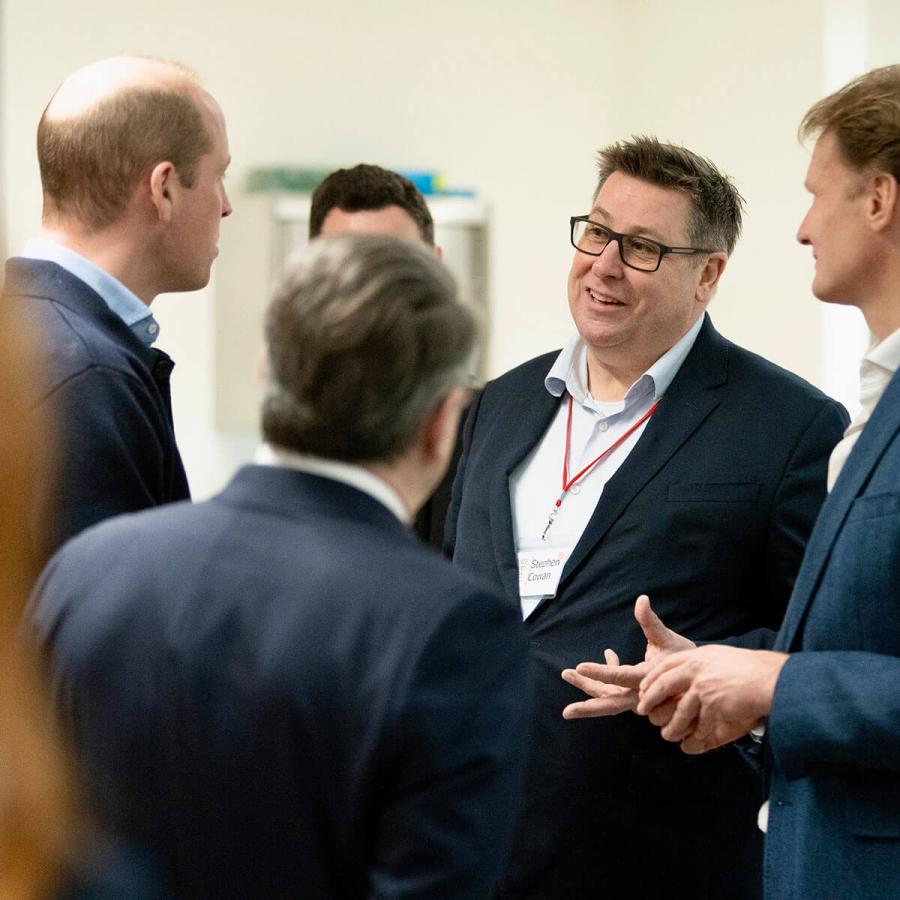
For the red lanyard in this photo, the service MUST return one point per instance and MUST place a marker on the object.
(567, 482)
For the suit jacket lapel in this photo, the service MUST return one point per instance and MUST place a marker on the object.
(524, 420)
(879, 431)
(683, 408)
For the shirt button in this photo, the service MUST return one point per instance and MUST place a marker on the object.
(152, 328)
(603, 426)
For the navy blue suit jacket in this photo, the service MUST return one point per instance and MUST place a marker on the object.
(106, 400)
(282, 693)
(834, 732)
(709, 515)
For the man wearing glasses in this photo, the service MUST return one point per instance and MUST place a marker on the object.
(650, 455)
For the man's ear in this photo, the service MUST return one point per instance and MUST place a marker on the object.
(710, 274)
(163, 186)
(439, 252)
(883, 201)
(440, 428)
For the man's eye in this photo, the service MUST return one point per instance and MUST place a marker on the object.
(640, 246)
(597, 233)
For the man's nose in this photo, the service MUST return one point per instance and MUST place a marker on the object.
(609, 262)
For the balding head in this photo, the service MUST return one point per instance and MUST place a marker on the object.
(106, 127)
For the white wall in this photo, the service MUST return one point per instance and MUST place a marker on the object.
(509, 98)
(731, 80)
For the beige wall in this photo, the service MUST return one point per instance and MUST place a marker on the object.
(509, 98)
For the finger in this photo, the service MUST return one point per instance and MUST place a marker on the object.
(591, 686)
(611, 657)
(697, 743)
(624, 676)
(694, 746)
(604, 706)
(656, 669)
(684, 719)
(663, 713)
(665, 684)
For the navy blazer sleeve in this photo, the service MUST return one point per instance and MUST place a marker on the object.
(836, 710)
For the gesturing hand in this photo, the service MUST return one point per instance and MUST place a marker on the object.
(614, 687)
(710, 696)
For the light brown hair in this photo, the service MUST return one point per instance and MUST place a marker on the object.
(365, 336)
(91, 163)
(864, 116)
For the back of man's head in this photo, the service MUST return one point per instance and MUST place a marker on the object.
(105, 128)
(365, 337)
(864, 117)
(716, 203)
(367, 187)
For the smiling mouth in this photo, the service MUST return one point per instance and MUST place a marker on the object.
(604, 301)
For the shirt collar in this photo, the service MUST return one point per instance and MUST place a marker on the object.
(123, 302)
(886, 353)
(355, 476)
(569, 372)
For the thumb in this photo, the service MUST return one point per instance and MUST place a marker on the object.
(650, 622)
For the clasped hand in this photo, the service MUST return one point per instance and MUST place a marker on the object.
(700, 697)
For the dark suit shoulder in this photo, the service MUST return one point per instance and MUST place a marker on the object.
(746, 365)
(77, 330)
(273, 567)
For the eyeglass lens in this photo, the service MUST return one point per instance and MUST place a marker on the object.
(636, 251)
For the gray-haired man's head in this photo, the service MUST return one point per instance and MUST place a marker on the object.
(365, 336)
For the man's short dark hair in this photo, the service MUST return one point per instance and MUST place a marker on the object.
(864, 117)
(368, 187)
(365, 336)
(715, 221)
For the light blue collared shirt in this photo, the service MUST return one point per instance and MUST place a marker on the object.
(123, 302)
(569, 373)
(595, 427)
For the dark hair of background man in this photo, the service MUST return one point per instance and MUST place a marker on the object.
(367, 187)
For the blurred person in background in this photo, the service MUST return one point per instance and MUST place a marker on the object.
(47, 849)
(368, 199)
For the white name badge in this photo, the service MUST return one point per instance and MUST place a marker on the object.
(540, 569)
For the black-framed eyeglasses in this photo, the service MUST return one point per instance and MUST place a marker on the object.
(635, 251)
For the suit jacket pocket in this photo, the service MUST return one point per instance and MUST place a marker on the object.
(875, 506)
(721, 492)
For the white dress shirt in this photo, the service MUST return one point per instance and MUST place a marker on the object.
(875, 371)
(536, 483)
